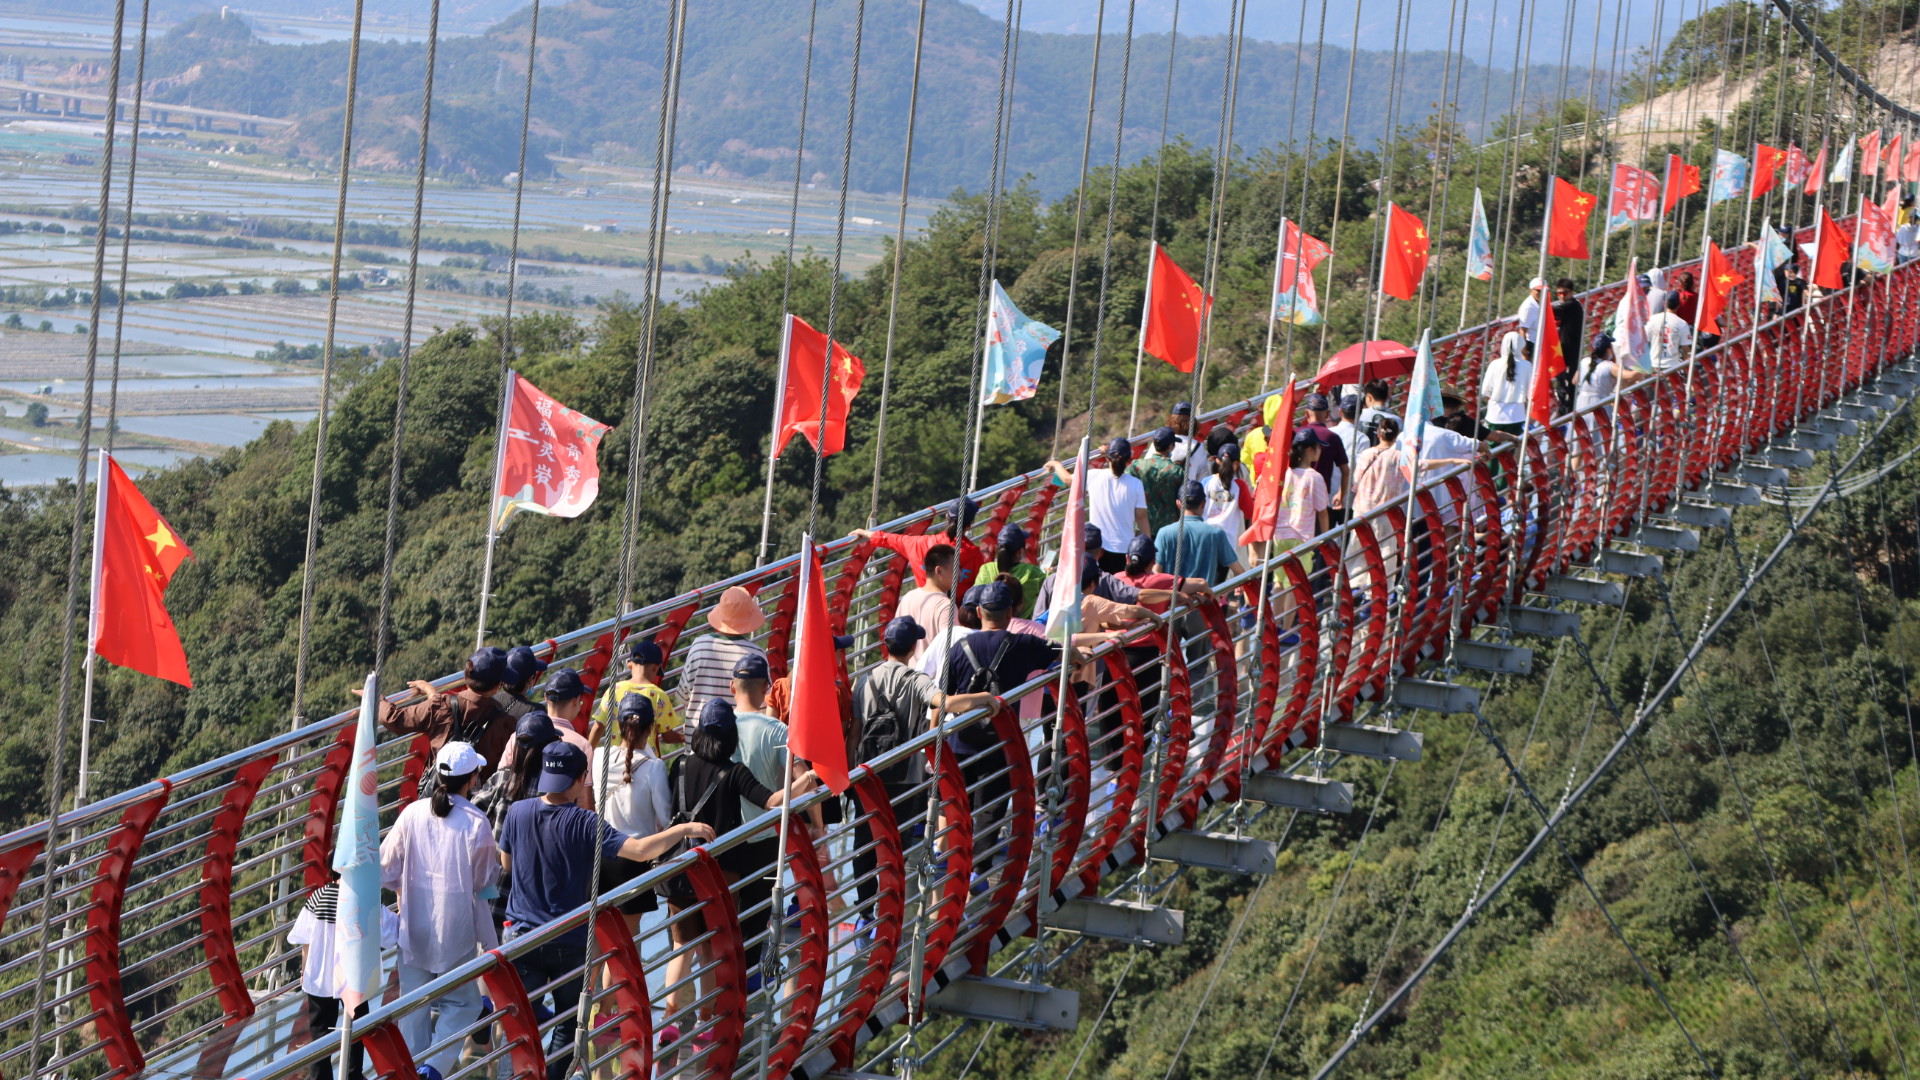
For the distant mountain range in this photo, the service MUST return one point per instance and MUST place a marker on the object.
(598, 76)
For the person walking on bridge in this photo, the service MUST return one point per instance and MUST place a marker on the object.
(470, 715)
(708, 672)
(914, 548)
(1160, 476)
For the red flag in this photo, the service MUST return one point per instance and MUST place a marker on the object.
(1634, 196)
(1830, 254)
(1890, 206)
(1271, 484)
(1567, 230)
(814, 727)
(1682, 180)
(1870, 152)
(1797, 166)
(550, 457)
(1176, 313)
(137, 553)
(1910, 169)
(1549, 360)
(1817, 175)
(1718, 279)
(801, 370)
(1766, 160)
(1405, 259)
(1890, 158)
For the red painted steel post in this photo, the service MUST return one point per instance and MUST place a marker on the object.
(216, 889)
(104, 993)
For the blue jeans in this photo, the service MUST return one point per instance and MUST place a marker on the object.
(540, 967)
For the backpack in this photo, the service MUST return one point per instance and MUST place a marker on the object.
(678, 890)
(986, 678)
(467, 730)
(882, 729)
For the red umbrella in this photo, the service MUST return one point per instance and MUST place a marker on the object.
(1384, 360)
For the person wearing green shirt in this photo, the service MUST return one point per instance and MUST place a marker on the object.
(1161, 476)
(1011, 558)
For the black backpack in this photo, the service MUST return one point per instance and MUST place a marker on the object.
(986, 678)
(882, 729)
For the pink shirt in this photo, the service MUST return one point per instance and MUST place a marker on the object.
(1305, 497)
(932, 610)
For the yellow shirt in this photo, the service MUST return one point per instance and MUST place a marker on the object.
(665, 717)
(1255, 442)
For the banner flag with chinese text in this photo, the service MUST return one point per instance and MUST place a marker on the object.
(550, 458)
(1630, 317)
(1873, 242)
(1635, 197)
(1294, 298)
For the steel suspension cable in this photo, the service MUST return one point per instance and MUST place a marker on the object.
(1079, 221)
(126, 223)
(1153, 219)
(1113, 198)
(990, 251)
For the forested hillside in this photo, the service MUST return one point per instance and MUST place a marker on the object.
(1784, 776)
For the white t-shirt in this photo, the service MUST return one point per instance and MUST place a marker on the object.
(933, 662)
(1668, 336)
(314, 928)
(1223, 507)
(1504, 400)
(1111, 501)
(1440, 444)
(1191, 453)
(1529, 316)
(637, 805)
(1907, 240)
(1590, 390)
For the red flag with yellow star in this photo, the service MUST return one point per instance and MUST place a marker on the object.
(1176, 313)
(1405, 259)
(803, 365)
(1720, 278)
(1567, 231)
(137, 553)
(1550, 360)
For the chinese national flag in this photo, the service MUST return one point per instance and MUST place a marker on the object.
(816, 731)
(1718, 281)
(1271, 480)
(1567, 231)
(139, 552)
(1682, 180)
(1405, 260)
(804, 366)
(1831, 253)
(1817, 175)
(1549, 360)
(1766, 160)
(1176, 313)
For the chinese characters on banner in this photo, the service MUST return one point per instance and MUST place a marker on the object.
(550, 457)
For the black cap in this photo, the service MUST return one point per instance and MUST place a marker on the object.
(716, 716)
(561, 766)
(1091, 536)
(1012, 535)
(1305, 438)
(1140, 547)
(1183, 408)
(523, 665)
(1192, 492)
(636, 704)
(1119, 449)
(751, 666)
(489, 664)
(963, 510)
(564, 684)
(1163, 438)
(902, 631)
(535, 729)
(644, 651)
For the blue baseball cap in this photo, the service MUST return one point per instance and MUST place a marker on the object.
(1316, 403)
(716, 717)
(1183, 408)
(751, 666)
(1119, 449)
(522, 664)
(536, 729)
(843, 641)
(1163, 438)
(1229, 452)
(972, 597)
(1140, 547)
(995, 596)
(644, 651)
(564, 684)
(636, 704)
(1091, 536)
(1305, 438)
(488, 664)
(1012, 535)
(561, 766)
(963, 510)
(902, 631)
(1192, 492)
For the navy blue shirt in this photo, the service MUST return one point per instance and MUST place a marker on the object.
(552, 850)
(1026, 655)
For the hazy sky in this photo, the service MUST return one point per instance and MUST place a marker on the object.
(1279, 20)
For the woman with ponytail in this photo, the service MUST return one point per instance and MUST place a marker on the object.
(440, 860)
(1505, 384)
(635, 782)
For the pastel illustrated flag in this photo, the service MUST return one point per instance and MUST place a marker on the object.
(1774, 253)
(550, 458)
(1175, 314)
(1797, 167)
(803, 364)
(1635, 196)
(1873, 243)
(1479, 243)
(813, 714)
(1404, 261)
(1766, 161)
(136, 553)
(1567, 227)
(1729, 176)
(1016, 350)
(1294, 299)
(1552, 360)
(356, 856)
(1682, 180)
(1631, 319)
(1423, 405)
(1269, 486)
(1718, 280)
(1890, 158)
(1870, 152)
(1842, 165)
(1063, 607)
(1817, 172)
(1829, 251)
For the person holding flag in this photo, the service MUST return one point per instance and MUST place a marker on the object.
(1630, 322)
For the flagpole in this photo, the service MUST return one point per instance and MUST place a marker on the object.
(1140, 350)
(93, 628)
(770, 960)
(493, 508)
(1273, 307)
(773, 439)
(1522, 465)
(1746, 217)
(1660, 225)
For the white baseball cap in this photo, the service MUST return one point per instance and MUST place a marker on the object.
(1537, 283)
(458, 759)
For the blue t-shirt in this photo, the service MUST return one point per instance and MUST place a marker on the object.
(1205, 552)
(552, 850)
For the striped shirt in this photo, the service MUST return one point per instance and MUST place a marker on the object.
(708, 672)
